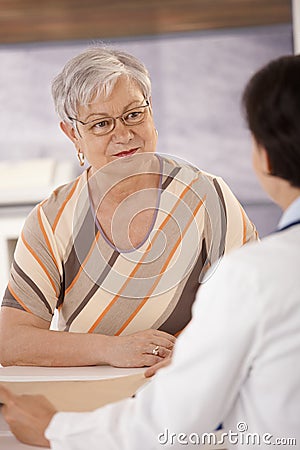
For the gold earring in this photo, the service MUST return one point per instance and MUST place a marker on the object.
(80, 156)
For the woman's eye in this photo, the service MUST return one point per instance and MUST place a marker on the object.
(133, 115)
(101, 124)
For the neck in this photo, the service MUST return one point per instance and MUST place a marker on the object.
(120, 179)
(125, 188)
(287, 195)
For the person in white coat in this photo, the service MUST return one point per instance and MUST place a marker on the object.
(238, 361)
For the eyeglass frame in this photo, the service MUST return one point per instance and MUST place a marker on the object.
(114, 119)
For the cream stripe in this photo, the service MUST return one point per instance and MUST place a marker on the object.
(52, 241)
(183, 179)
(183, 258)
(151, 312)
(235, 225)
(86, 318)
(33, 270)
(63, 229)
(119, 273)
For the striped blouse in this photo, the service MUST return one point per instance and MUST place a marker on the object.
(64, 261)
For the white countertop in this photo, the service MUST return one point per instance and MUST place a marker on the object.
(26, 374)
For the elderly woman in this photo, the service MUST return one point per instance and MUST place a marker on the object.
(120, 251)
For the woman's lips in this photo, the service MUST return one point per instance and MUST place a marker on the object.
(126, 153)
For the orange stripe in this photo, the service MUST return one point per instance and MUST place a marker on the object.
(187, 188)
(18, 299)
(83, 264)
(244, 226)
(178, 332)
(46, 236)
(162, 270)
(39, 261)
(64, 205)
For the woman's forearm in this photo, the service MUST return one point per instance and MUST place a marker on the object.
(27, 345)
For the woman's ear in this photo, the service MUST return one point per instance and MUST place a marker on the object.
(70, 132)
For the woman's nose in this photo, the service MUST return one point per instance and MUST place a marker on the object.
(121, 132)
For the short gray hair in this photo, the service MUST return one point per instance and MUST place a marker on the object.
(93, 72)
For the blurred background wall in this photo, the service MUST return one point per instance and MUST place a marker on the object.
(200, 53)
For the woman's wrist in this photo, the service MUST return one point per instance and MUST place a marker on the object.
(106, 349)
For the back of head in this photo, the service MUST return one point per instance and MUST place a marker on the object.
(272, 104)
(92, 72)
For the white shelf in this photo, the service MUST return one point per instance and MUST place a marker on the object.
(12, 219)
(11, 223)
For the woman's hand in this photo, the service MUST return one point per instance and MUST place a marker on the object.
(28, 416)
(140, 349)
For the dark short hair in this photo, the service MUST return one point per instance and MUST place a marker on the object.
(271, 101)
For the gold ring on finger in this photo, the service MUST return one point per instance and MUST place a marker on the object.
(155, 351)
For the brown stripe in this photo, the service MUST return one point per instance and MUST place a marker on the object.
(42, 265)
(83, 242)
(170, 178)
(18, 299)
(181, 314)
(10, 301)
(82, 264)
(33, 286)
(61, 296)
(40, 221)
(223, 217)
(94, 289)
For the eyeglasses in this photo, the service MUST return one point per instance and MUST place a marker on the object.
(104, 125)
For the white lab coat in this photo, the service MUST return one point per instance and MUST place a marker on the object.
(237, 362)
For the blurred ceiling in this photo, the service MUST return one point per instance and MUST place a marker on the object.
(55, 20)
